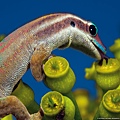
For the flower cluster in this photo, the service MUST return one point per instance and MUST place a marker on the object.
(107, 78)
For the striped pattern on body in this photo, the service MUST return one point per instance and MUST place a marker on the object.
(16, 49)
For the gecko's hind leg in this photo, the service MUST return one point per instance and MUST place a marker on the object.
(36, 63)
(12, 105)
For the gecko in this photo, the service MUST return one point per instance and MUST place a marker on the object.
(32, 43)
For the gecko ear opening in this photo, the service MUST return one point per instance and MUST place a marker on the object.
(66, 45)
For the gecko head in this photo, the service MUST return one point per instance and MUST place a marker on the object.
(85, 38)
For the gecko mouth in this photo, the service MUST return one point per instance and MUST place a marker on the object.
(102, 54)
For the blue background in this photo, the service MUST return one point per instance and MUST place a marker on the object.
(104, 13)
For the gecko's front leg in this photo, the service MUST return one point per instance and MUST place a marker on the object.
(40, 54)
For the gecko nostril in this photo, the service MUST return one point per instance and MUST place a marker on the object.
(72, 24)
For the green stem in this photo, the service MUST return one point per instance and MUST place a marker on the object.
(97, 115)
(26, 95)
(77, 112)
(33, 107)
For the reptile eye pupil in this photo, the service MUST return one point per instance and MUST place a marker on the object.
(93, 30)
(72, 24)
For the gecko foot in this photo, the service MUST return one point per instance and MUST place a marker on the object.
(12, 105)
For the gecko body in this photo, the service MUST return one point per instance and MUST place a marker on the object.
(33, 42)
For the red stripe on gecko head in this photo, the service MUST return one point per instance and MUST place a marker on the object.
(42, 20)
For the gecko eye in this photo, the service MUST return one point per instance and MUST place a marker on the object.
(72, 24)
(93, 29)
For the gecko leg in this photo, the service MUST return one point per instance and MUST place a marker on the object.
(12, 105)
(36, 62)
